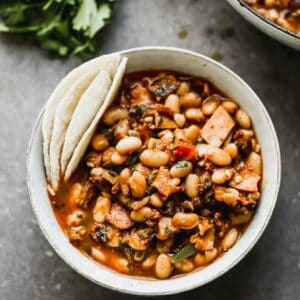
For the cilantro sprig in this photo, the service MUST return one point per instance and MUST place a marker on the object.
(63, 27)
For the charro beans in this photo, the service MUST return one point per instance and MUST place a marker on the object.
(185, 220)
(230, 239)
(181, 169)
(170, 179)
(163, 267)
(191, 185)
(154, 158)
(114, 114)
(128, 144)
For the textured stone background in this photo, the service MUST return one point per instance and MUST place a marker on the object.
(29, 269)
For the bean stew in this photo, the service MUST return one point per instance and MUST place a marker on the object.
(285, 13)
(170, 181)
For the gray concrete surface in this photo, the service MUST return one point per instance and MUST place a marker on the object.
(29, 269)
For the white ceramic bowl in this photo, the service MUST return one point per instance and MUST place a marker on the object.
(191, 63)
(270, 28)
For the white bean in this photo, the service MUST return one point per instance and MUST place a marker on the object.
(128, 144)
(191, 99)
(149, 262)
(113, 115)
(137, 183)
(101, 209)
(163, 268)
(185, 220)
(230, 106)
(210, 105)
(154, 158)
(98, 254)
(181, 169)
(220, 176)
(117, 158)
(243, 119)
(156, 201)
(230, 238)
(173, 103)
(219, 157)
(231, 149)
(192, 133)
(179, 119)
(191, 185)
(184, 88)
(99, 142)
(254, 162)
(194, 114)
(185, 266)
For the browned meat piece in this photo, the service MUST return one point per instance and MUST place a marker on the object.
(165, 184)
(204, 225)
(76, 234)
(218, 127)
(163, 86)
(140, 96)
(106, 158)
(119, 217)
(139, 239)
(87, 194)
(205, 182)
(246, 180)
(94, 159)
(104, 233)
(229, 196)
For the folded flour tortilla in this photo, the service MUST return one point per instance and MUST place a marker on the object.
(82, 145)
(63, 92)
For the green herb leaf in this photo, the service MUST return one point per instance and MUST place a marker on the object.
(184, 253)
(63, 27)
(182, 164)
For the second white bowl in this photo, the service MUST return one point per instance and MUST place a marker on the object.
(270, 28)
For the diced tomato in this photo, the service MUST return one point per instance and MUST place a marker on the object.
(184, 152)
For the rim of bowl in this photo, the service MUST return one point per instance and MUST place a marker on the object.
(266, 20)
(192, 285)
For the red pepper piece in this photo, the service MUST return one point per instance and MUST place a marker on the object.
(184, 152)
